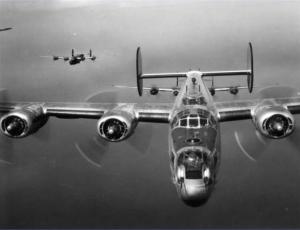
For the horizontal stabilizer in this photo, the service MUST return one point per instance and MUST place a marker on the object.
(247, 72)
(152, 90)
(232, 89)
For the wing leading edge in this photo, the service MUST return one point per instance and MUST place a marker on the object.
(150, 112)
(146, 112)
(240, 110)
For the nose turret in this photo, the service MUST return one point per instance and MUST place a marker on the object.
(194, 192)
(194, 177)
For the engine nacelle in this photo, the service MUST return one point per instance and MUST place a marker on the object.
(116, 125)
(273, 121)
(23, 122)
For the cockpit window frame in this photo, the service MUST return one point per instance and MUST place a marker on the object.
(183, 120)
(205, 118)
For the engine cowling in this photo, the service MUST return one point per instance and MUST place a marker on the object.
(274, 121)
(23, 122)
(116, 125)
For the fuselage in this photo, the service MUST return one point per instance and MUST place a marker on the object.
(77, 59)
(194, 141)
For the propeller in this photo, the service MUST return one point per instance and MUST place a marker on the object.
(154, 90)
(250, 141)
(44, 133)
(94, 148)
(6, 152)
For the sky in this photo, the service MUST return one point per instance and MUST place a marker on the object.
(46, 182)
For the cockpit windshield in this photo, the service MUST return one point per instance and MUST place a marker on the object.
(194, 122)
(183, 122)
(193, 119)
(198, 100)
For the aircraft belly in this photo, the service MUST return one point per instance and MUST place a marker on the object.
(183, 137)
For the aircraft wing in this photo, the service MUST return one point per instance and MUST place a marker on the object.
(156, 112)
(55, 58)
(240, 110)
(145, 112)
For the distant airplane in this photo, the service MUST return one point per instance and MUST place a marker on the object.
(75, 58)
(194, 123)
(4, 29)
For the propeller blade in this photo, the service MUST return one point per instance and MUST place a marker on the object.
(109, 96)
(6, 152)
(92, 150)
(251, 142)
(294, 138)
(6, 143)
(141, 139)
(277, 92)
(44, 133)
(95, 148)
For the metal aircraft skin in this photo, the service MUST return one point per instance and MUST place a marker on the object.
(74, 58)
(194, 117)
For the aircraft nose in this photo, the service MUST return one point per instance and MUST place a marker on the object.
(195, 202)
(194, 192)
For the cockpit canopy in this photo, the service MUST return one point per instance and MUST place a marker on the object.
(194, 100)
(197, 119)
